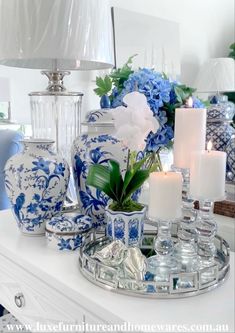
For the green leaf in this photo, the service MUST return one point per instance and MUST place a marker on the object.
(130, 59)
(165, 77)
(99, 92)
(139, 164)
(120, 75)
(136, 182)
(178, 93)
(99, 177)
(130, 173)
(116, 181)
(104, 86)
(183, 92)
(128, 176)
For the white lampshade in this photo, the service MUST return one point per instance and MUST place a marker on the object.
(216, 75)
(56, 34)
(5, 95)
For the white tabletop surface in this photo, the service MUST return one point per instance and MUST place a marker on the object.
(60, 270)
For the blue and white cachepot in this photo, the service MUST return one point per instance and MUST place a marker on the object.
(127, 227)
(97, 146)
(67, 233)
(36, 183)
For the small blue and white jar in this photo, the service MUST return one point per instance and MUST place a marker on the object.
(127, 227)
(36, 183)
(68, 233)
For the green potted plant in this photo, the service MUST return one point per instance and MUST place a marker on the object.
(125, 217)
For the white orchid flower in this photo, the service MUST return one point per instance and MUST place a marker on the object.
(134, 122)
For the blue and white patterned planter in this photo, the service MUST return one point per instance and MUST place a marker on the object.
(36, 183)
(67, 233)
(97, 146)
(126, 227)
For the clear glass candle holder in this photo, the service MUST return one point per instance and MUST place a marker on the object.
(188, 211)
(186, 250)
(206, 228)
(163, 263)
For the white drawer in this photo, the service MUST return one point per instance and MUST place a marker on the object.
(41, 302)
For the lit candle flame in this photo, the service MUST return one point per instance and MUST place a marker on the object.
(189, 102)
(209, 145)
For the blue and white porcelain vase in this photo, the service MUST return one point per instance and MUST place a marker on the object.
(96, 146)
(126, 227)
(36, 183)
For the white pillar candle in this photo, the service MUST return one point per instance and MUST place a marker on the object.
(207, 175)
(190, 134)
(165, 195)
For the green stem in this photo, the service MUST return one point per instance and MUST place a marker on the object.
(128, 159)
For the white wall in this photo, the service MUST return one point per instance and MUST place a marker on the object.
(206, 30)
(206, 27)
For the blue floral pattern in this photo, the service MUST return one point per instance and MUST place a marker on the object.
(127, 227)
(63, 223)
(71, 243)
(134, 230)
(64, 243)
(36, 183)
(68, 233)
(88, 150)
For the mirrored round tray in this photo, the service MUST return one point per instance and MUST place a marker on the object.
(193, 284)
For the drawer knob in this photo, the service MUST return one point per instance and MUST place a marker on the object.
(19, 300)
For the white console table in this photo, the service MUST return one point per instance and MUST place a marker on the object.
(54, 290)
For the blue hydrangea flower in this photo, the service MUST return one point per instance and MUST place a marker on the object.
(41, 164)
(161, 138)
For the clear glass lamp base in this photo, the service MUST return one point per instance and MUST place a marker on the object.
(56, 115)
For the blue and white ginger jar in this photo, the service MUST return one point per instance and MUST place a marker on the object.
(97, 146)
(36, 183)
(127, 227)
(68, 233)
(230, 150)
